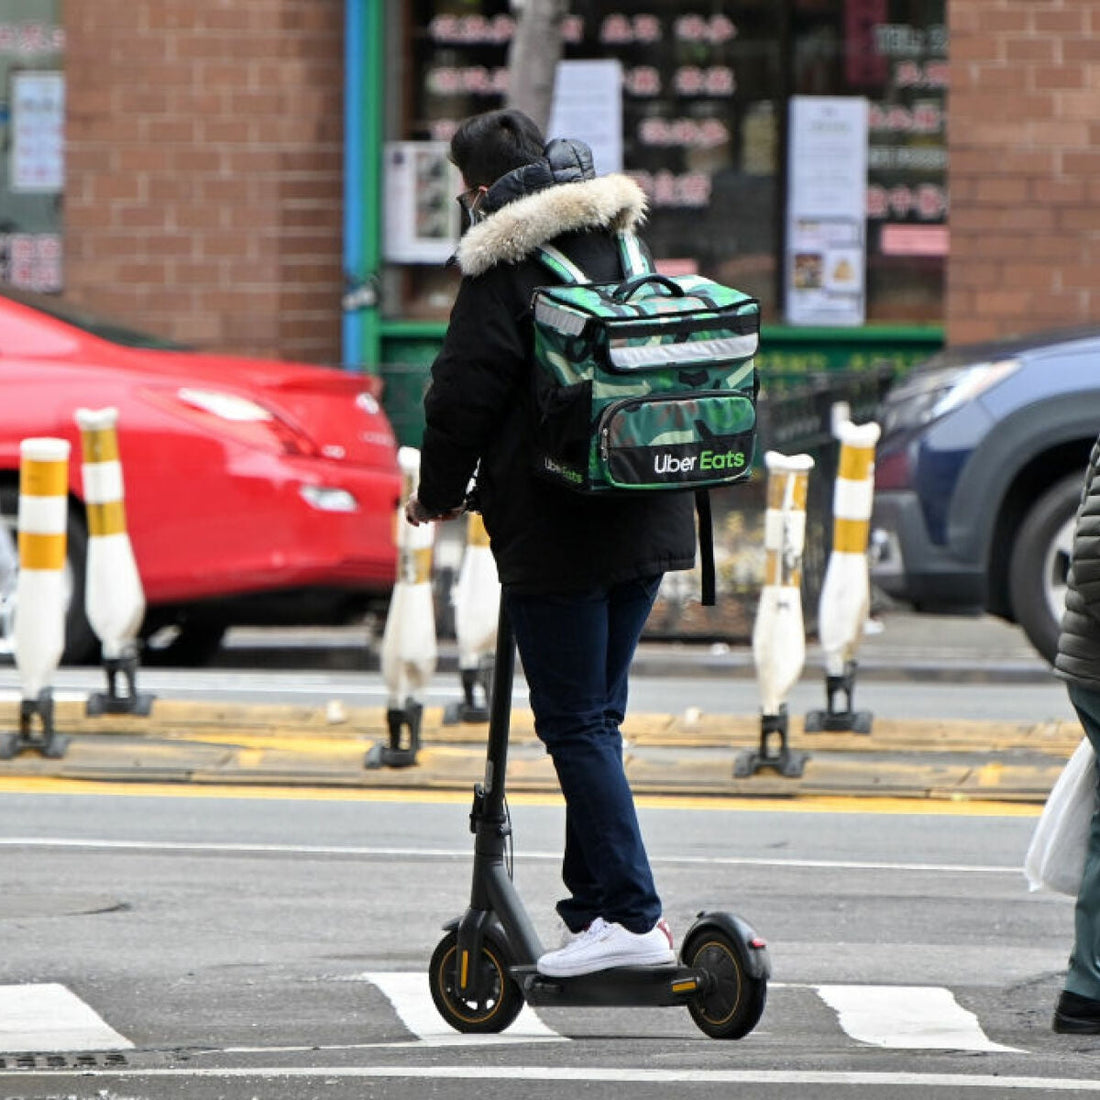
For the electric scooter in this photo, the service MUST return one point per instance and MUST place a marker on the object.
(483, 969)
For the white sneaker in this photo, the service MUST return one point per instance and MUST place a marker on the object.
(602, 946)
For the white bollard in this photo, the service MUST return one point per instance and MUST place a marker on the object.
(113, 595)
(409, 649)
(846, 590)
(477, 609)
(778, 636)
(40, 591)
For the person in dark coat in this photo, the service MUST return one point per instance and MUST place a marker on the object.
(579, 575)
(1078, 663)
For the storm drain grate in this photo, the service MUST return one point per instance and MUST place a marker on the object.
(63, 1061)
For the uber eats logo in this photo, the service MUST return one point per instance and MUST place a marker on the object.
(667, 463)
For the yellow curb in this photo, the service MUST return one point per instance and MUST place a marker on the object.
(304, 727)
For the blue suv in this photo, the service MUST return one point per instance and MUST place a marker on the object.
(978, 475)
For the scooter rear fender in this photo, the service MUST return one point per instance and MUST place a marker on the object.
(754, 949)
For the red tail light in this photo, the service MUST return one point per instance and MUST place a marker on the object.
(892, 470)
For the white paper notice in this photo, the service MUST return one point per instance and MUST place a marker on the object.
(826, 211)
(588, 105)
(421, 214)
(38, 131)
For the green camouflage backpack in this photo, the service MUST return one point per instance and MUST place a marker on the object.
(643, 385)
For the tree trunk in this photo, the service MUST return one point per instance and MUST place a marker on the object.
(534, 54)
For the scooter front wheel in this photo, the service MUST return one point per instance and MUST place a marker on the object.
(733, 1001)
(500, 1000)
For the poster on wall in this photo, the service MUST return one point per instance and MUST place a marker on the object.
(37, 131)
(588, 105)
(826, 252)
(421, 215)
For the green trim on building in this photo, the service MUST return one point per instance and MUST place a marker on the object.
(787, 355)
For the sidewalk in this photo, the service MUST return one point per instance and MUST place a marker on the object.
(206, 743)
(908, 646)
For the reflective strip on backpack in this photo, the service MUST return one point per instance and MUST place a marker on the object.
(652, 355)
(561, 265)
(633, 258)
(560, 320)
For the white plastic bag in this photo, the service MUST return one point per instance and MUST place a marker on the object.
(1056, 856)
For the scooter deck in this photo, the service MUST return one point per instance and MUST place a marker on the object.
(653, 986)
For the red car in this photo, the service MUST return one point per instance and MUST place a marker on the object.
(256, 492)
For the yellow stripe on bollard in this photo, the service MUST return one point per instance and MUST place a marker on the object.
(856, 463)
(41, 551)
(776, 576)
(850, 536)
(100, 445)
(43, 479)
(422, 565)
(108, 518)
(777, 490)
(476, 535)
(773, 570)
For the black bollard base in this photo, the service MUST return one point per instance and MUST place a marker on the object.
(113, 701)
(774, 752)
(46, 740)
(477, 689)
(834, 720)
(404, 738)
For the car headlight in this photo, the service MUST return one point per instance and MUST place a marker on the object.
(929, 394)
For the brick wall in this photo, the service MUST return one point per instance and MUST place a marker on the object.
(1024, 166)
(204, 163)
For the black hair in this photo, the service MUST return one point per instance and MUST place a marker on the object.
(488, 146)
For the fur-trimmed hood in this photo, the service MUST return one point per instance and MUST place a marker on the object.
(513, 232)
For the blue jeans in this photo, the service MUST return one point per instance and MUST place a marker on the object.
(576, 650)
(1084, 963)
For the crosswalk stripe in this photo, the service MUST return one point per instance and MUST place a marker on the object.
(48, 1017)
(408, 993)
(906, 1017)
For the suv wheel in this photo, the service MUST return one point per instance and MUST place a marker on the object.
(1040, 563)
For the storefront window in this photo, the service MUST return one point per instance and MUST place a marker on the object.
(705, 92)
(32, 124)
(893, 52)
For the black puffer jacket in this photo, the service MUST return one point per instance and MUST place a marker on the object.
(479, 405)
(1078, 657)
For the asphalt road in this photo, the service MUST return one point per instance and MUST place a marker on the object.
(276, 947)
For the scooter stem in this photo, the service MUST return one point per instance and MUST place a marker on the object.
(492, 893)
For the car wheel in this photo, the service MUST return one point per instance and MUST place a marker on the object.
(81, 643)
(183, 645)
(1040, 562)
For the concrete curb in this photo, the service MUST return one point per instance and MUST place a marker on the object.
(300, 746)
(676, 659)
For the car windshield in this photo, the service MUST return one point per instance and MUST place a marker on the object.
(102, 327)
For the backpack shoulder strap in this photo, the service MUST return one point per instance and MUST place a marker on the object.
(631, 255)
(560, 264)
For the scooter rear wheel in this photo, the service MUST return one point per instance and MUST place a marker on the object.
(501, 1001)
(734, 1000)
